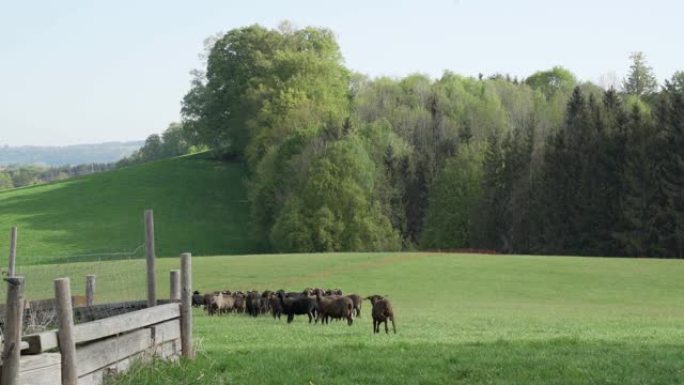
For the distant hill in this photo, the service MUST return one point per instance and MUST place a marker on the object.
(67, 155)
(200, 205)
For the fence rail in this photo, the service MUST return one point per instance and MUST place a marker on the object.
(93, 341)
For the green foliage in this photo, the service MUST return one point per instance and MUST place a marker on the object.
(173, 142)
(551, 82)
(333, 209)
(5, 181)
(22, 175)
(262, 85)
(452, 202)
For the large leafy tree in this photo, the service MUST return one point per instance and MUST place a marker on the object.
(262, 85)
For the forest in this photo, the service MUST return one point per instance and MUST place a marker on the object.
(339, 161)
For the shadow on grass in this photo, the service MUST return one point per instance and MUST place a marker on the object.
(556, 361)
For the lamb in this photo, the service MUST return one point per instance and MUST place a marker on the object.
(382, 311)
(336, 308)
(297, 305)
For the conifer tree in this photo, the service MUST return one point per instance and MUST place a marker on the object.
(641, 80)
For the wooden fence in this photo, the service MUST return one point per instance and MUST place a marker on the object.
(85, 353)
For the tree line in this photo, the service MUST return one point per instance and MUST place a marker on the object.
(339, 161)
(20, 176)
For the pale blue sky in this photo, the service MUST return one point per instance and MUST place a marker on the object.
(92, 71)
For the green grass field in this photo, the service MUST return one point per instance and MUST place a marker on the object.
(199, 205)
(464, 319)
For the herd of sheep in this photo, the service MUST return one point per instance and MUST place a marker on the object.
(318, 304)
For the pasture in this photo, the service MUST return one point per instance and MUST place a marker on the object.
(200, 205)
(465, 319)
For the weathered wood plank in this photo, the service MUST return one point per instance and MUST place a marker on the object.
(23, 347)
(102, 354)
(44, 369)
(40, 342)
(125, 322)
(170, 350)
(166, 331)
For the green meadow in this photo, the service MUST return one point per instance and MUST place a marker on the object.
(462, 319)
(199, 204)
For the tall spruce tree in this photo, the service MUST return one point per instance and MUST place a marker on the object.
(670, 115)
(490, 222)
(641, 80)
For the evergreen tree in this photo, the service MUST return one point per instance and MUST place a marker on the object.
(670, 115)
(490, 222)
(642, 202)
(641, 80)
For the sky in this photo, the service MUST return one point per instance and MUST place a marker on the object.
(75, 72)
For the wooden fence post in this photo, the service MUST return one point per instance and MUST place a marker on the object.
(90, 290)
(13, 253)
(149, 250)
(14, 317)
(175, 289)
(186, 306)
(65, 335)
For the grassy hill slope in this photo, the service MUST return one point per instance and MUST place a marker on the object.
(199, 204)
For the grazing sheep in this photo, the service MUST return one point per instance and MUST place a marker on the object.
(357, 301)
(240, 303)
(253, 303)
(330, 292)
(197, 299)
(297, 305)
(220, 304)
(276, 307)
(206, 300)
(335, 308)
(382, 311)
(265, 301)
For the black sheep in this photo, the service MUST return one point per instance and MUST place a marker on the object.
(297, 305)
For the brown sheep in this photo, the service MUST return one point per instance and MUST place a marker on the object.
(240, 302)
(382, 311)
(276, 307)
(335, 308)
(357, 301)
(206, 299)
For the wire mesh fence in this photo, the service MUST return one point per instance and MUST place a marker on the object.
(119, 276)
(120, 279)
